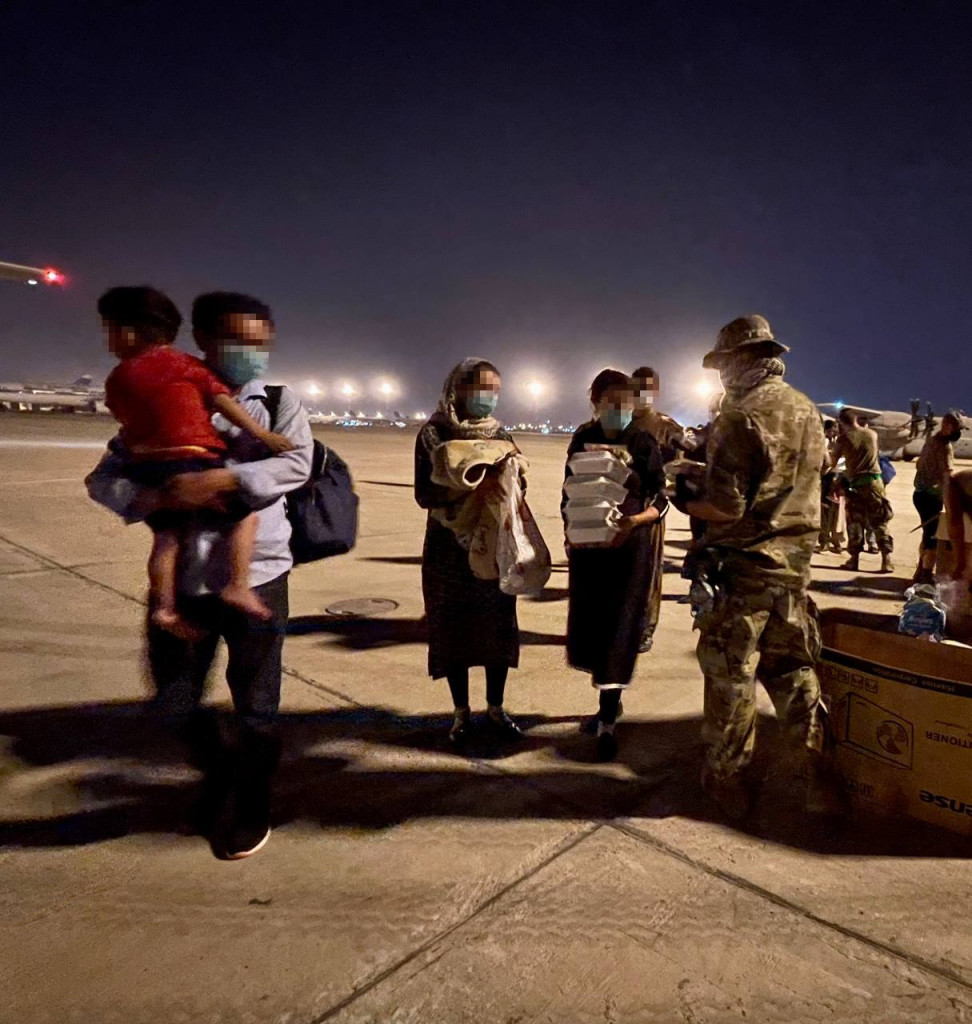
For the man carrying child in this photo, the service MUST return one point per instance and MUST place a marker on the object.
(235, 333)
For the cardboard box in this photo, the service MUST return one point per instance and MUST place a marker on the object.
(902, 714)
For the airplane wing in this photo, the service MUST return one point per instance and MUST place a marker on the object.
(858, 410)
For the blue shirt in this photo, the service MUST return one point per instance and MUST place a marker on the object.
(262, 483)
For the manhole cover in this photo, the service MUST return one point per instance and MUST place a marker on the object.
(363, 607)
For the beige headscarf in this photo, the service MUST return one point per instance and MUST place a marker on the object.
(446, 414)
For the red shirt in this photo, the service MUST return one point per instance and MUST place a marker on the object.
(163, 399)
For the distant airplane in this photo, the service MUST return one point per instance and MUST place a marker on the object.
(894, 430)
(80, 395)
(30, 275)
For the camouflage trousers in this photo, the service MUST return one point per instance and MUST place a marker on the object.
(867, 508)
(653, 608)
(769, 635)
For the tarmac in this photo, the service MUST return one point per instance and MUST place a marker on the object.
(404, 883)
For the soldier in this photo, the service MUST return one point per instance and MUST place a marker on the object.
(668, 435)
(865, 501)
(915, 418)
(761, 505)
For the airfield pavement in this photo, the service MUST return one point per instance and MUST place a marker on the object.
(403, 883)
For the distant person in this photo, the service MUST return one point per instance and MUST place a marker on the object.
(929, 420)
(829, 539)
(164, 400)
(932, 476)
(609, 586)
(761, 505)
(865, 500)
(235, 333)
(471, 622)
(915, 419)
(668, 435)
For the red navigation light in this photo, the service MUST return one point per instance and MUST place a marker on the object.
(52, 276)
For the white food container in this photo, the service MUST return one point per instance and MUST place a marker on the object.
(599, 464)
(599, 488)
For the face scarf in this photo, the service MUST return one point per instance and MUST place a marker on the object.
(741, 372)
(472, 429)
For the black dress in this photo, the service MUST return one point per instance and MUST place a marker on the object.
(609, 586)
(471, 621)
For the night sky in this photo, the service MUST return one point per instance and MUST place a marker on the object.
(556, 186)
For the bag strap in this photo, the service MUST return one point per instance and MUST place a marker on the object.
(272, 402)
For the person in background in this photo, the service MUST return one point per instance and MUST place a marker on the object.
(472, 623)
(958, 507)
(608, 587)
(932, 475)
(870, 540)
(668, 436)
(761, 505)
(915, 424)
(829, 498)
(929, 420)
(865, 501)
(235, 333)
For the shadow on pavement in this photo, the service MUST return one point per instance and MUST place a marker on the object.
(362, 634)
(887, 588)
(109, 770)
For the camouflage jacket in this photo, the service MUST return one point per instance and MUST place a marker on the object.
(764, 460)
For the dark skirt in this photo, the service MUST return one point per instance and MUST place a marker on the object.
(471, 621)
(608, 591)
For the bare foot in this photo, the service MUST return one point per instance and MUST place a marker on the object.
(172, 622)
(245, 600)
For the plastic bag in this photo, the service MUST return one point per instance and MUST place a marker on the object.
(924, 613)
(522, 556)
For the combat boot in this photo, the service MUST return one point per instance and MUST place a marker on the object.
(853, 564)
(731, 793)
(887, 565)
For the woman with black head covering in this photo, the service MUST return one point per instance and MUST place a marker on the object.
(471, 621)
(609, 585)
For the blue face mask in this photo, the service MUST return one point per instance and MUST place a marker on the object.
(615, 421)
(239, 364)
(481, 404)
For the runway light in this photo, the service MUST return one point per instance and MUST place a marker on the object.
(706, 388)
(348, 389)
(313, 390)
(536, 388)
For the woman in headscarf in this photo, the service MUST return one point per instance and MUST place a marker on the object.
(609, 585)
(471, 621)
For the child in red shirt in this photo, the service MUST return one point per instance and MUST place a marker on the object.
(164, 400)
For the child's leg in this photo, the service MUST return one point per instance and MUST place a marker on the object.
(163, 562)
(162, 569)
(238, 593)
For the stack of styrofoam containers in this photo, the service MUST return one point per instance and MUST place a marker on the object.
(595, 491)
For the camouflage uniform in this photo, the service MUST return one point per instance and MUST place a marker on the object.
(865, 499)
(764, 463)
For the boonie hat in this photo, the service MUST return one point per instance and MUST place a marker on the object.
(743, 332)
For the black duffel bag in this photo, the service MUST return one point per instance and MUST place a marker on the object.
(323, 513)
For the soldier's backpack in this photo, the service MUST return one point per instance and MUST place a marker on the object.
(323, 513)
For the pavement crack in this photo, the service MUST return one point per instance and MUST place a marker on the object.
(565, 846)
(888, 949)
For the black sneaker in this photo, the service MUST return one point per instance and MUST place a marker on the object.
(250, 826)
(607, 747)
(460, 732)
(588, 726)
(646, 643)
(504, 728)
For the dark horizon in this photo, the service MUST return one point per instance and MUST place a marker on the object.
(557, 187)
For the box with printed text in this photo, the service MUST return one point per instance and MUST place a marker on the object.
(901, 710)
